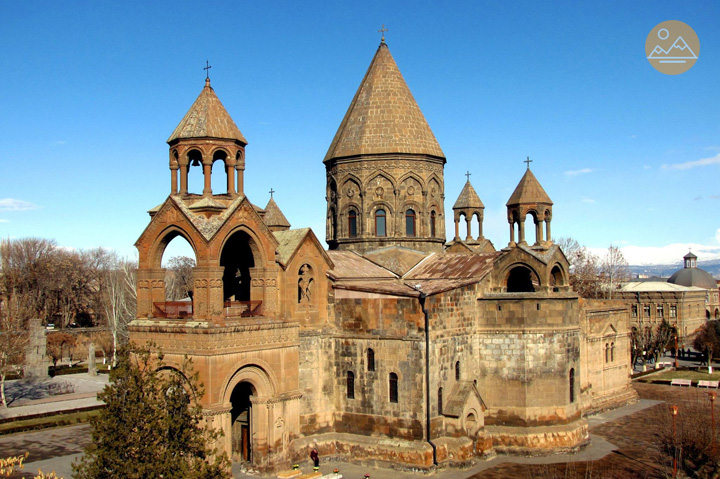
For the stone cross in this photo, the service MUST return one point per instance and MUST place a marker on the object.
(528, 161)
(92, 368)
(468, 176)
(271, 192)
(207, 70)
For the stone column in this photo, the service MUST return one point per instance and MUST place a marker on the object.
(208, 293)
(183, 178)
(480, 227)
(230, 169)
(150, 289)
(457, 229)
(207, 172)
(512, 234)
(468, 223)
(521, 232)
(218, 417)
(174, 179)
(547, 230)
(240, 172)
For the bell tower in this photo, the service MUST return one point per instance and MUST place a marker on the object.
(529, 198)
(205, 135)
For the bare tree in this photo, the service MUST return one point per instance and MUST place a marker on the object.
(13, 341)
(584, 269)
(613, 271)
(57, 343)
(179, 278)
(116, 283)
(650, 343)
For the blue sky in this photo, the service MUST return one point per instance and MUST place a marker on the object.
(91, 91)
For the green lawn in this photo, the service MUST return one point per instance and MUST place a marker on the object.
(47, 422)
(670, 374)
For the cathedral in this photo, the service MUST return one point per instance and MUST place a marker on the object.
(393, 345)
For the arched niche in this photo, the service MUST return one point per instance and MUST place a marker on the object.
(195, 180)
(240, 254)
(219, 173)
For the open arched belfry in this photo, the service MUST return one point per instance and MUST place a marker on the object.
(393, 345)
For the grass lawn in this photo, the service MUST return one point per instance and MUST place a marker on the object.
(56, 420)
(670, 374)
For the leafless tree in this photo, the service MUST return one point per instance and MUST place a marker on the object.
(613, 271)
(179, 278)
(13, 341)
(584, 269)
(116, 284)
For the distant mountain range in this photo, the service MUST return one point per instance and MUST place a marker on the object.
(666, 270)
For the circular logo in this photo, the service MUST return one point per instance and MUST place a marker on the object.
(672, 47)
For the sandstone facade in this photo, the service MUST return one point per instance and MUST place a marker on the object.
(391, 346)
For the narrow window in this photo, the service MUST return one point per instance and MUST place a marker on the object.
(393, 388)
(350, 385)
(380, 223)
(612, 352)
(440, 401)
(410, 223)
(660, 311)
(352, 224)
(432, 224)
(646, 310)
(673, 311)
(457, 371)
(572, 385)
(371, 359)
(607, 352)
(634, 310)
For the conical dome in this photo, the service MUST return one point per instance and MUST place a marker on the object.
(383, 116)
(274, 218)
(529, 191)
(207, 118)
(468, 198)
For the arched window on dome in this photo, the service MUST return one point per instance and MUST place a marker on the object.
(352, 224)
(380, 229)
(410, 223)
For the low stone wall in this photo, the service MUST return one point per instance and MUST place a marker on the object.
(533, 441)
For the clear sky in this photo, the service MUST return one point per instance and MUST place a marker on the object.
(91, 90)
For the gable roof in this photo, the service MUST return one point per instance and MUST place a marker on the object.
(207, 118)
(289, 242)
(383, 117)
(528, 191)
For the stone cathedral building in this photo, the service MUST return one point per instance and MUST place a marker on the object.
(393, 345)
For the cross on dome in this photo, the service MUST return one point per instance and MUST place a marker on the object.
(528, 161)
(382, 32)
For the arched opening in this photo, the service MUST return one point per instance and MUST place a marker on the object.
(218, 174)
(380, 229)
(195, 177)
(237, 259)
(556, 278)
(331, 225)
(370, 359)
(612, 352)
(350, 392)
(471, 424)
(440, 401)
(178, 261)
(464, 228)
(532, 228)
(241, 420)
(393, 384)
(521, 280)
(707, 314)
(571, 380)
(433, 218)
(410, 223)
(607, 352)
(352, 224)
(457, 371)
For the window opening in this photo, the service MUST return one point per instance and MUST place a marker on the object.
(350, 385)
(393, 388)
(410, 223)
(380, 223)
(370, 359)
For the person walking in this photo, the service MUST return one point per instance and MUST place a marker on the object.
(315, 458)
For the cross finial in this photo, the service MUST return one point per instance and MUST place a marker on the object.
(382, 31)
(271, 192)
(468, 176)
(528, 161)
(207, 70)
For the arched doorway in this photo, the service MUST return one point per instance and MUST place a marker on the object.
(521, 280)
(237, 259)
(242, 423)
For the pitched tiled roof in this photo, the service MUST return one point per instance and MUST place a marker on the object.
(273, 215)
(288, 242)
(350, 265)
(396, 258)
(207, 118)
(528, 191)
(383, 116)
(468, 198)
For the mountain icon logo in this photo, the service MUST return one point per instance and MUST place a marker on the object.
(672, 47)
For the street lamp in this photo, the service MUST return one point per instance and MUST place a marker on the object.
(676, 348)
(674, 413)
(712, 395)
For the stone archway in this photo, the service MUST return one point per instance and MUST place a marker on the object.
(237, 259)
(241, 422)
